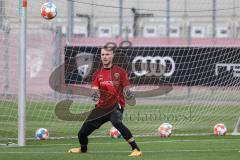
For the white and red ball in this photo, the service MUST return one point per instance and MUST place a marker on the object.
(41, 134)
(165, 130)
(220, 129)
(48, 10)
(114, 133)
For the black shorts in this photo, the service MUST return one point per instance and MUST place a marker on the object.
(98, 116)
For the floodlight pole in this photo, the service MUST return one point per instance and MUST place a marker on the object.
(2, 12)
(70, 16)
(22, 74)
(168, 19)
(214, 19)
(120, 17)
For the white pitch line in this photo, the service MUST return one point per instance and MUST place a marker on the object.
(112, 143)
(162, 151)
(144, 142)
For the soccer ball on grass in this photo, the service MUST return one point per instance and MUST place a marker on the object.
(114, 133)
(220, 129)
(165, 130)
(41, 134)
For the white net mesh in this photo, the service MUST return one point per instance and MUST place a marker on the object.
(8, 79)
(40, 53)
(199, 98)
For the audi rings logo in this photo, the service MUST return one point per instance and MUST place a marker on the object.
(153, 66)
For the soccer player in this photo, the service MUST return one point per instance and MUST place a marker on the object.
(110, 87)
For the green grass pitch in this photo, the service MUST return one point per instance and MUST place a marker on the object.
(141, 119)
(154, 148)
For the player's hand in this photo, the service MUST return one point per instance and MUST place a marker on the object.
(127, 93)
(95, 96)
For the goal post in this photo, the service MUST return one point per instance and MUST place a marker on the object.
(236, 129)
(22, 75)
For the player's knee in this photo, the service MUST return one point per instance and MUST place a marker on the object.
(117, 123)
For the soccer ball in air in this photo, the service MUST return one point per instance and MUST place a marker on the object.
(165, 130)
(220, 129)
(114, 133)
(41, 134)
(48, 10)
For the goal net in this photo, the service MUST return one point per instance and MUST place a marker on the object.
(41, 59)
(198, 88)
(192, 83)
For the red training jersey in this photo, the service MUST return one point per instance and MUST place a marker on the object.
(110, 82)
